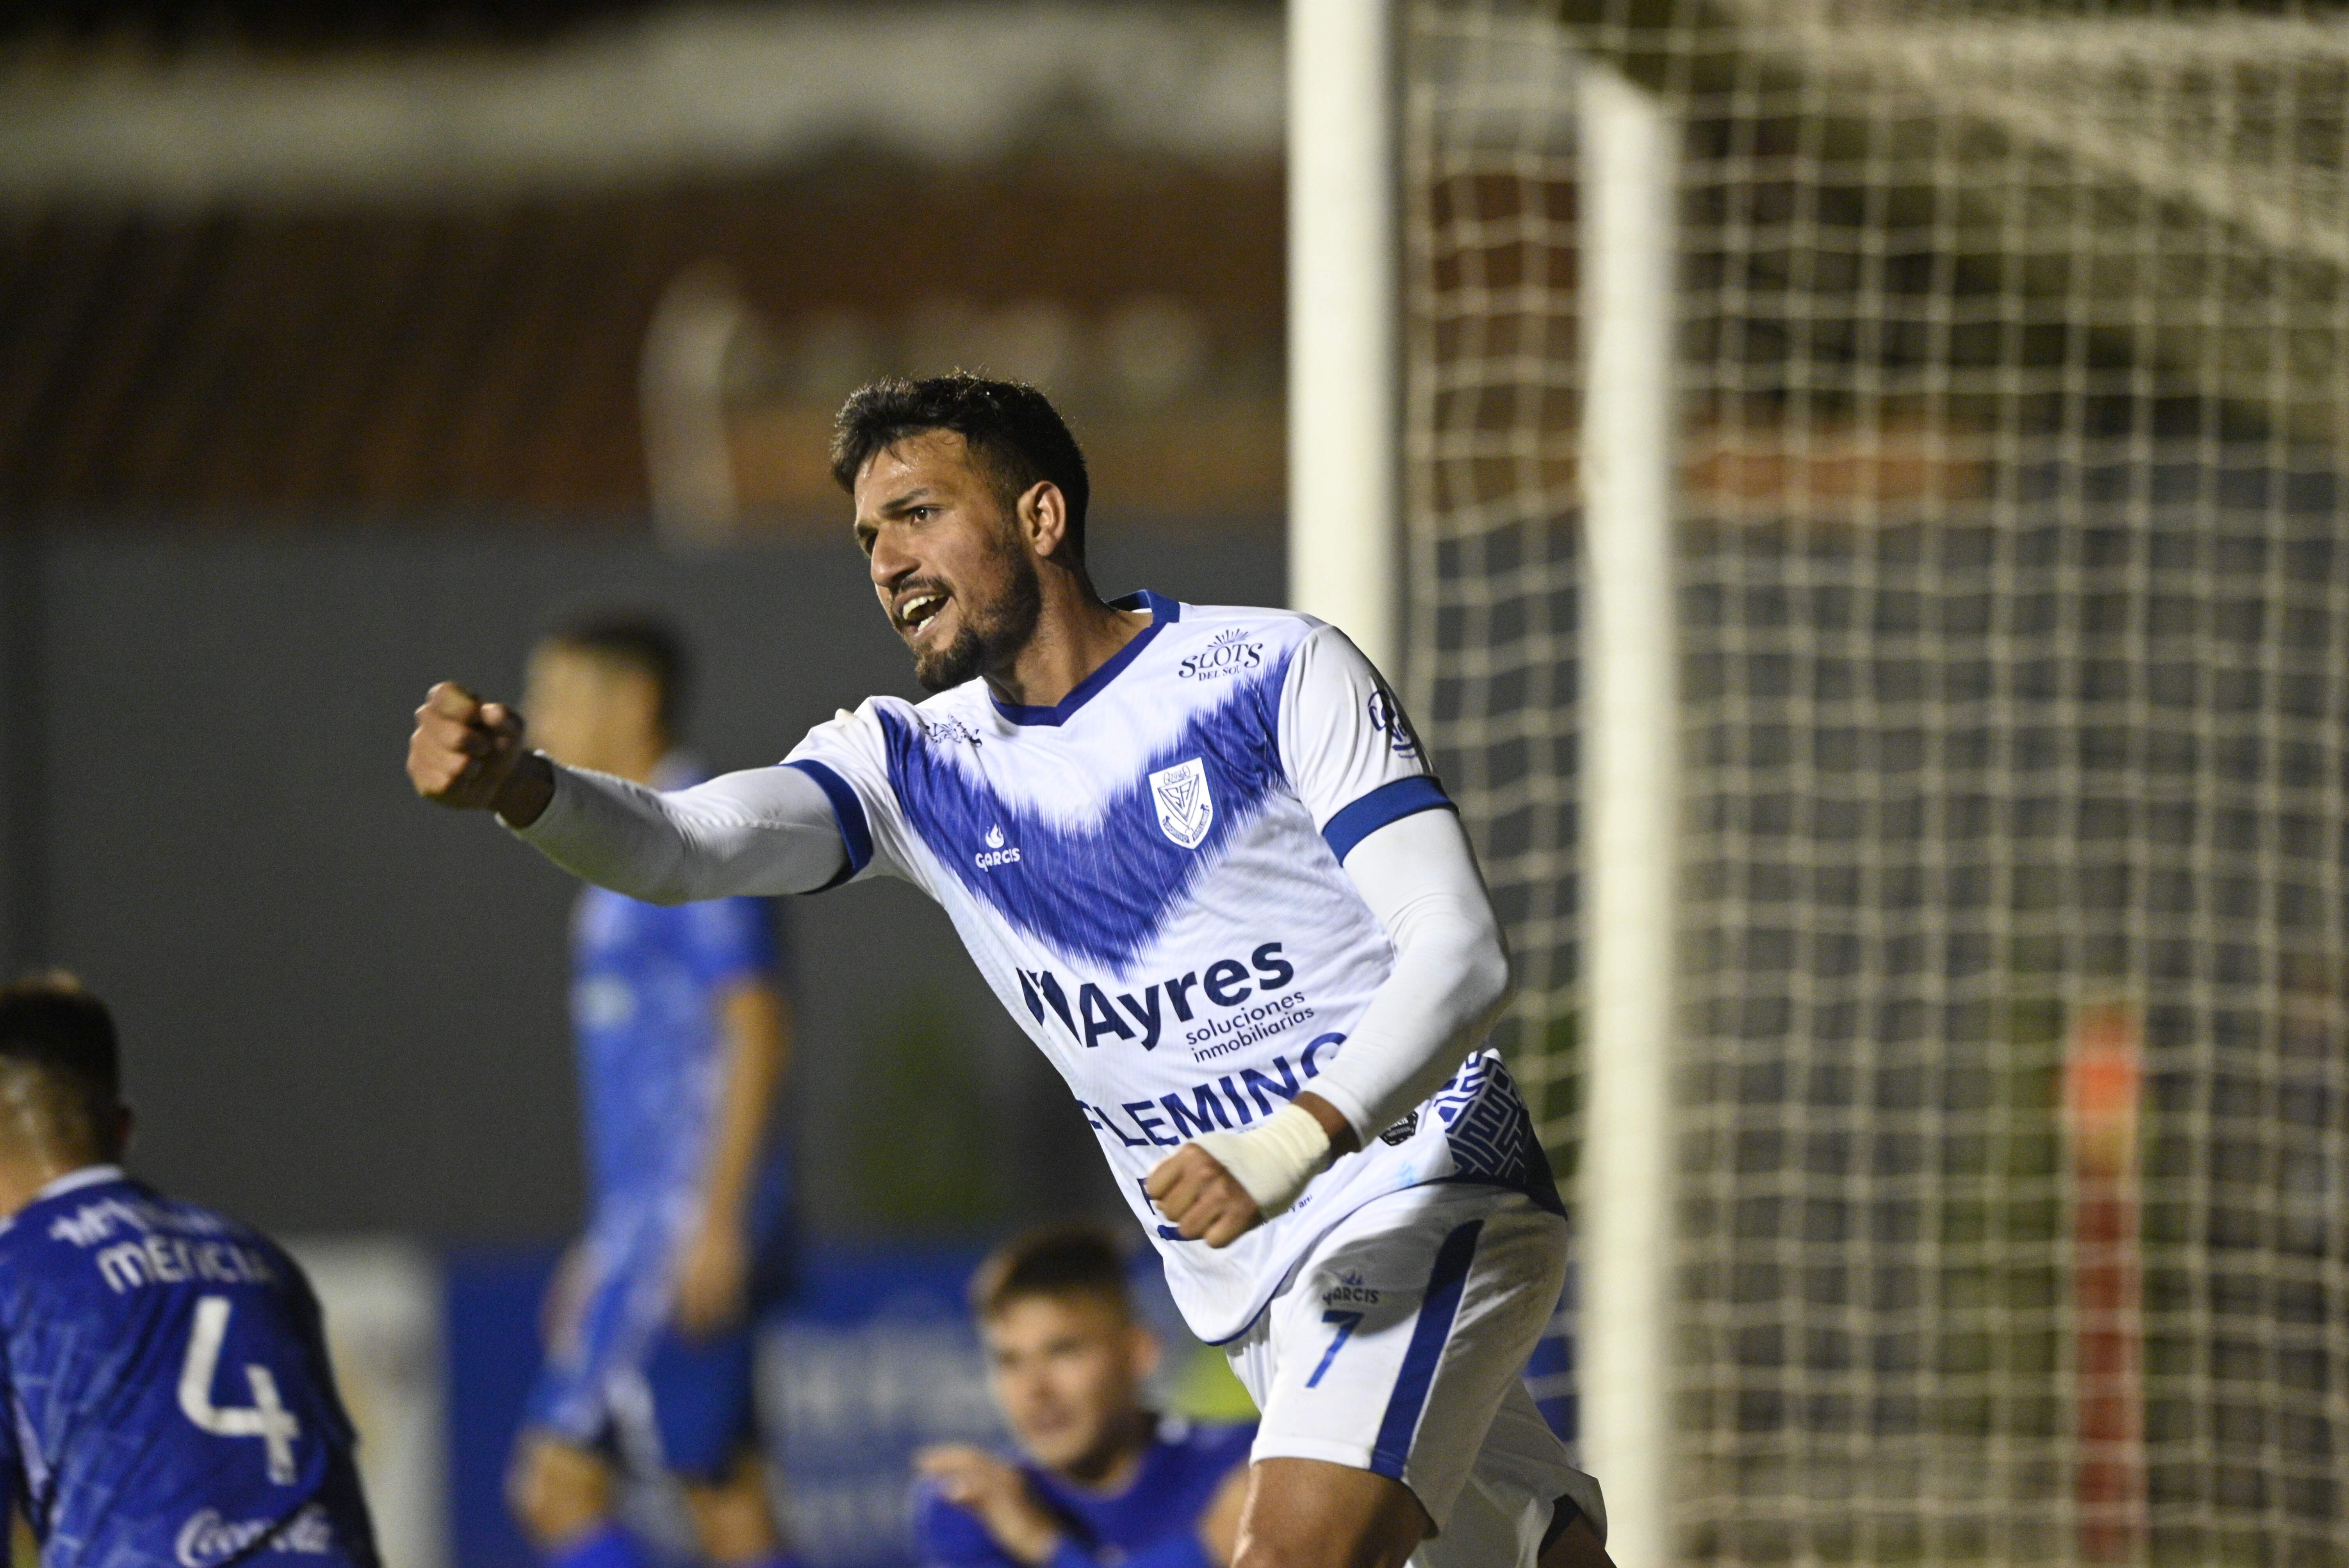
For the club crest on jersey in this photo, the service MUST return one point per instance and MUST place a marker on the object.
(1186, 809)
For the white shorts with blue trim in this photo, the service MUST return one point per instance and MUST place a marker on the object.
(1399, 1345)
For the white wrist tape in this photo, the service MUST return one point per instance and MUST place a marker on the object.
(1273, 1162)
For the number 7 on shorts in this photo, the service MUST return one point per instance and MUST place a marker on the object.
(1347, 1322)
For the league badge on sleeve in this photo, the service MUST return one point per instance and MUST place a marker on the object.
(1186, 809)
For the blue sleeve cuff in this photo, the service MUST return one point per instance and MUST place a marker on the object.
(855, 833)
(1387, 803)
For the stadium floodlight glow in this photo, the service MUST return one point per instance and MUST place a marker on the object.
(1342, 408)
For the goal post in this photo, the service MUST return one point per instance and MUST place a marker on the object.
(1909, 492)
(1630, 800)
(1342, 309)
(1346, 416)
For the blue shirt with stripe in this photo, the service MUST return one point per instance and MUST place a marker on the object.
(1152, 1521)
(648, 988)
(166, 1399)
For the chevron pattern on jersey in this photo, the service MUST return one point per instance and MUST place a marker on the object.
(1103, 890)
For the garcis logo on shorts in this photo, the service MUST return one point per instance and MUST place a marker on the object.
(996, 854)
(1350, 1287)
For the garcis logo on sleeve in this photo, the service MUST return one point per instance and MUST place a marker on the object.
(1186, 809)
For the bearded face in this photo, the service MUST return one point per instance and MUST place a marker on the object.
(996, 622)
(949, 562)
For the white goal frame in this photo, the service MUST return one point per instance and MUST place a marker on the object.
(1344, 346)
(1344, 524)
(1630, 800)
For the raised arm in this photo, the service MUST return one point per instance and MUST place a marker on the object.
(1450, 975)
(764, 830)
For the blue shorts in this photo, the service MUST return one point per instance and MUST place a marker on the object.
(634, 1386)
(683, 1405)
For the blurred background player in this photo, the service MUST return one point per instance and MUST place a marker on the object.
(1106, 1479)
(165, 1393)
(683, 1037)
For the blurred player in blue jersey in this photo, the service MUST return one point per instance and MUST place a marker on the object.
(683, 1036)
(1106, 1480)
(165, 1395)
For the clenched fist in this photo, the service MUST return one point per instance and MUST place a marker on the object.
(468, 754)
(1207, 1201)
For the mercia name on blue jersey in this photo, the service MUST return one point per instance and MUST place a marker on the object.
(168, 1401)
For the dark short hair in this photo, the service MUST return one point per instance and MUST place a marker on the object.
(1066, 1260)
(50, 1023)
(636, 640)
(1012, 428)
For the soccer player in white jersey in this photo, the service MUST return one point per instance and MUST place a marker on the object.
(1201, 858)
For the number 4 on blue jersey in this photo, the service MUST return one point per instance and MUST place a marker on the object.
(266, 1418)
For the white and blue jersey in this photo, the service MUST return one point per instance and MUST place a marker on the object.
(1150, 874)
(1151, 1521)
(166, 1397)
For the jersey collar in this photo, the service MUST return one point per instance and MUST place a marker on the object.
(73, 1181)
(1162, 612)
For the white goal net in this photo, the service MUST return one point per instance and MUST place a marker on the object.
(2011, 1060)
